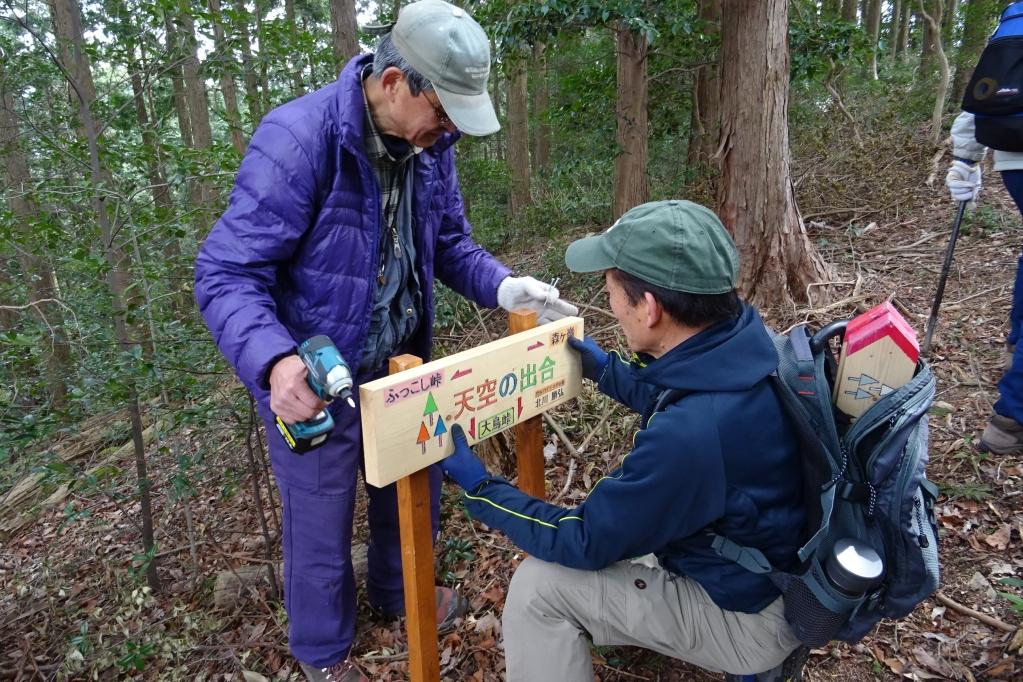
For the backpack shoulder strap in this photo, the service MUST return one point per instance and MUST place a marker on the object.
(667, 397)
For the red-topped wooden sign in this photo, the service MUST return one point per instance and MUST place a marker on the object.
(879, 354)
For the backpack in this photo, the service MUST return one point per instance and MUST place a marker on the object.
(865, 481)
(994, 94)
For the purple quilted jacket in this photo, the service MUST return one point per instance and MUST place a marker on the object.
(294, 254)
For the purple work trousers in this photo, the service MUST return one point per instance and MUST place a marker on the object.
(318, 504)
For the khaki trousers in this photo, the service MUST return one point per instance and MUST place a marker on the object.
(551, 609)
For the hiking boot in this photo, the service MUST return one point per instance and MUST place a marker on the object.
(789, 670)
(345, 671)
(450, 607)
(1002, 436)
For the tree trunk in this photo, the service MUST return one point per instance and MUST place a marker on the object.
(37, 273)
(195, 86)
(264, 67)
(158, 184)
(931, 34)
(203, 192)
(755, 199)
(310, 58)
(345, 32)
(177, 81)
(902, 50)
(8, 314)
(495, 86)
(849, 9)
(894, 23)
(68, 27)
(252, 99)
(705, 120)
(518, 139)
(227, 84)
(979, 19)
(873, 21)
(297, 86)
(181, 298)
(542, 127)
(948, 21)
(630, 181)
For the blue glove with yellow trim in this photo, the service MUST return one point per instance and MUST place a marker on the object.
(594, 358)
(463, 466)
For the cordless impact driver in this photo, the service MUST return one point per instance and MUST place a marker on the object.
(329, 377)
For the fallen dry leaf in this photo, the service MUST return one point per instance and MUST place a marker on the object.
(932, 662)
(1000, 538)
(1017, 640)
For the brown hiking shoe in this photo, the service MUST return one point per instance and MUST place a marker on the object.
(450, 607)
(345, 671)
(1002, 436)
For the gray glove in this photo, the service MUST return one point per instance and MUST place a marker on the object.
(532, 294)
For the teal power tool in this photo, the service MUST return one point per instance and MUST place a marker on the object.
(329, 377)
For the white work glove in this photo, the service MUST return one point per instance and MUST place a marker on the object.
(963, 181)
(530, 293)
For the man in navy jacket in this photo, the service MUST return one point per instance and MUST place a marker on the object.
(714, 453)
(345, 208)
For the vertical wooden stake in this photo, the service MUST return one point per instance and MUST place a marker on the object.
(528, 434)
(417, 562)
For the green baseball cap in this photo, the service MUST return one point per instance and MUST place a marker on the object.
(448, 47)
(674, 244)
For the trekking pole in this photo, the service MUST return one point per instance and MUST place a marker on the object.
(933, 320)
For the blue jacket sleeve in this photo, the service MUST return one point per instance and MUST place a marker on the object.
(459, 261)
(666, 489)
(271, 206)
(617, 382)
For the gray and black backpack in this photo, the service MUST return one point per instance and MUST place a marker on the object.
(870, 544)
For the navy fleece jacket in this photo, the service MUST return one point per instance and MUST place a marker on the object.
(723, 456)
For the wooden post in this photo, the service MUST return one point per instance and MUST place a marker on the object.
(528, 434)
(417, 562)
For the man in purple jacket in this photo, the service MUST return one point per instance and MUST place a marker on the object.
(345, 207)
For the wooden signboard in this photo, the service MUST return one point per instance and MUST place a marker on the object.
(879, 354)
(407, 417)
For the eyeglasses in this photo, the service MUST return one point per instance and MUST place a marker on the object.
(442, 115)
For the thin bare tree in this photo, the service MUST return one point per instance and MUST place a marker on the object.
(68, 29)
